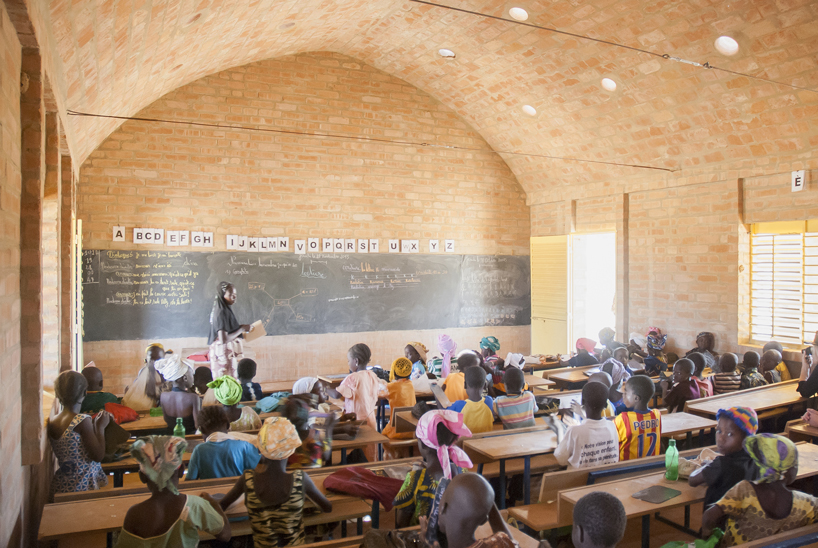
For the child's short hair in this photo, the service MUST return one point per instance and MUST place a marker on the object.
(595, 395)
(362, 353)
(514, 379)
(466, 360)
(621, 349)
(687, 366)
(642, 386)
(246, 369)
(444, 435)
(728, 362)
(751, 359)
(211, 417)
(475, 377)
(698, 361)
(602, 517)
(202, 374)
(420, 409)
(70, 387)
(773, 345)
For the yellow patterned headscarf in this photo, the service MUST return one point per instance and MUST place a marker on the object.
(773, 454)
(401, 367)
(226, 389)
(278, 438)
(420, 349)
(154, 345)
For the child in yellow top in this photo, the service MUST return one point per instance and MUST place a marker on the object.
(477, 409)
(401, 394)
(455, 384)
(639, 430)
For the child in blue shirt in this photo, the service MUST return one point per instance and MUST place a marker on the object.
(224, 454)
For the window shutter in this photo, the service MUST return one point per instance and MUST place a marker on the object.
(810, 286)
(549, 295)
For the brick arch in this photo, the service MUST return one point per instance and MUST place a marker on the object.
(120, 57)
(266, 184)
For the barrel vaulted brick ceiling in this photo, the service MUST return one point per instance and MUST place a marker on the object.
(118, 56)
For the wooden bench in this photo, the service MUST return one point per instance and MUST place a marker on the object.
(543, 515)
(803, 536)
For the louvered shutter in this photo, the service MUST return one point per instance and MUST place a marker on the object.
(549, 295)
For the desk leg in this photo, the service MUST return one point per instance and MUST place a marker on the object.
(646, 531)
(502, 484)
(359, 526)
(343, 528)
(119, 477)
(480, 469)
(376, 514)
(344, 455)
(689, 440)
(687, 516)
(701, 438)
(527, 481)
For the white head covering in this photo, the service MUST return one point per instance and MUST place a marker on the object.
(616, 369)
(173, 367)
(515, 360)
(638, 339)
(304, 385)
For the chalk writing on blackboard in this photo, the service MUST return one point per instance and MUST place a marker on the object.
(284, 304)
(90, 266)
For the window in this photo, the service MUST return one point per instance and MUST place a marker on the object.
(784, 282)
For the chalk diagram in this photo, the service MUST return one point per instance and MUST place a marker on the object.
(284, 303)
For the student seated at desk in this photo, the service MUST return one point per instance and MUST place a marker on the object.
(606, 380)
(599, 521)
(606, 339)
(497, 386)
(684, 387)
(808, 378)
(77, 440)
(639, 430)
(517, 409)
(770, 367)
(144, 391)
(618, 371)
(765, 507)
(246, 370)
(455, 385)
(705, 388)
(401, 394)
(437, 432)
(595, 441)
(656, 360)
(728, 379)
(273, 496)
(636, 343)
(477, 411)
(441, 366)
(705, 341)
(180, 402)
(201, 377)
(489, 347)
(734, 464)
(781, 367)
(228, 393)
(222, 455)
(95, 398)
(415, 352)
(585, 354)
(750, 377)
(168, 518)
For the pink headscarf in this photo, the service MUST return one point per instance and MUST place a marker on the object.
(426, 432)
(652, 329)
(446, 346)
(586, 344)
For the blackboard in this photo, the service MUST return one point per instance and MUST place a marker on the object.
(142, 294)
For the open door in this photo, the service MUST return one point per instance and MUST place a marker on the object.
(550, 295)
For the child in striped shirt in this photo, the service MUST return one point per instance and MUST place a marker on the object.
(729, 379)
(639, 430)
(516, 410)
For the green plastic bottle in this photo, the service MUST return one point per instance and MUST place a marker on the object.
(712, 541)
(672, 461)
(179, 429)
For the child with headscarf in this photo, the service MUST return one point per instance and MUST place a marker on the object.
(401, 394)
(144, 391)
(415, 352)
(168, 518)
(585, 354)
(734, 425)
(498, 385)
(656, 361)
(228, 392)
(180, 402)
(441, 366)
(437, 432)
(226, 333)
(606, 339)
(273, 496)
(766, 506)
(489, 346)
(636, 345)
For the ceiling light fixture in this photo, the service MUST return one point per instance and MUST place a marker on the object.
(726, 45)
(528, 109)
(518, 14)
(608, 84)
(447, 53)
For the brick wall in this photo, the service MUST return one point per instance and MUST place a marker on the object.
(250, 183)
(50, 233)
(11, 473)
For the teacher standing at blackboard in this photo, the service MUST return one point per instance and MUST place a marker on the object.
(225, 333)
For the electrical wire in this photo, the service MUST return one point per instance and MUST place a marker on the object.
(357, 138)
(666, 56)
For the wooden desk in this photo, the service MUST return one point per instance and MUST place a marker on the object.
(798, 430)
(625, 488)
(571, 377)
(146, 422)
(674, 424)
(502, 447)
(534, 381)
(270, 387)
(763, 398)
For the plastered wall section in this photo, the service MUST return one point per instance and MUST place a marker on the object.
(268, 184)
(11, 473)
